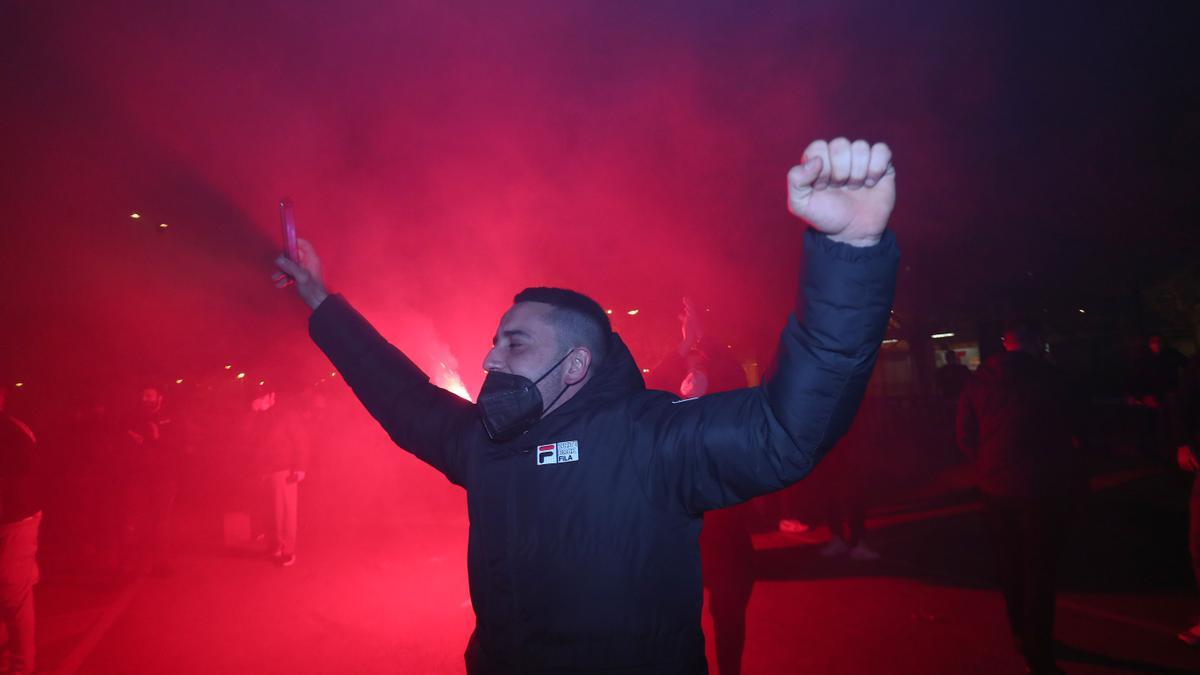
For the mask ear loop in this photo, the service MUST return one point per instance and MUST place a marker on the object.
(556, 365)
(564, 389)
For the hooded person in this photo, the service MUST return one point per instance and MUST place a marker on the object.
(585, 490)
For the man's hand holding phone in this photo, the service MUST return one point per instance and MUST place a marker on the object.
(306, 272)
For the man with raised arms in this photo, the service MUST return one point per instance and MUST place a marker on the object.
(586, 492)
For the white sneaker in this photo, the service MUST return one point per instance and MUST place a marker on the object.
(836, 546)
(792, 526)
(863, 553)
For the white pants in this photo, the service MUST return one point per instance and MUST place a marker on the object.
(18, 574)
(284, 494)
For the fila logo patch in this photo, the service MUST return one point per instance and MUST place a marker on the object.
(557, 453)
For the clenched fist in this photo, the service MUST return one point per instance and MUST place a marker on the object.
(846, 190)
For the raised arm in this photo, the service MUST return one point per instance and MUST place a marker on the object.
(668, 373)
(725, 448)
(420, 417)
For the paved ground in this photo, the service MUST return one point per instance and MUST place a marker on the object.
(397, 603)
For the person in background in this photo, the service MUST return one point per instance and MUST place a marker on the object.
(1155, 384)
(1016, 420)
(280, 443)
(1160, 371)
(154, 450)
(841, 480)
(20, 519)
(698, 367)
(87, 441)
(952, 377)
(1186, 432)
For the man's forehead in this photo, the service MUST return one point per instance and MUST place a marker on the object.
(526, 317)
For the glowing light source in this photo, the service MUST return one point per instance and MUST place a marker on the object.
(179, 381)
(135, 216)
(333, 374)
(608, 311)
(890, 341)
(227, 366)
(1082, 310)
(162, 226)
(449, 380)
(938, 336)
(632, 312)
(645, 370)
(241, 376)
(20, 384)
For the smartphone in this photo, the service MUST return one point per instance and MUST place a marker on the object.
(288, 219)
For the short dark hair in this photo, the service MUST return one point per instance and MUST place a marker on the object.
(578, 320)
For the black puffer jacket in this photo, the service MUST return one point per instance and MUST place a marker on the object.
(593, 565)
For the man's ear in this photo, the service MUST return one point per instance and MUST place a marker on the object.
(577, 366)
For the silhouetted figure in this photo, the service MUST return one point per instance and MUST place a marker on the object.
(695, 368)
(840, 480)
(1186, 434)
(20, 518)
(1155, 382)
(952, 377)
(88, 441)
(153, 451)
(1016, 420)
(1159, 371)
(280, 444)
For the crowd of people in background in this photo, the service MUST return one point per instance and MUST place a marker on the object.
(121, 468)
(111, 474)
(108, 475)
(1021, 424)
